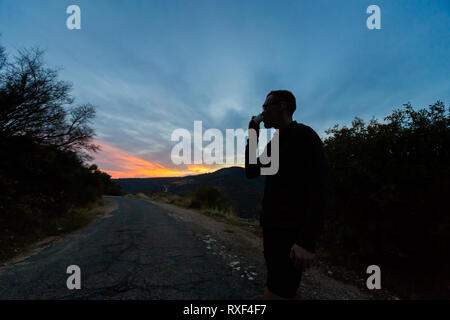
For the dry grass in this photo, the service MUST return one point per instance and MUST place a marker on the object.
(13, 243)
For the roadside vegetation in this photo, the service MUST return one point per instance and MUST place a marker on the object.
(13, 243)
(389, 202)
(45, 139)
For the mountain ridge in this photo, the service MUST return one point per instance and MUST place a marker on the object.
(245, 194)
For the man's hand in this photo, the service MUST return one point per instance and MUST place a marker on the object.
(302, 257)
(253, 125)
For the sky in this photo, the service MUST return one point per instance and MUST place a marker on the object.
(151, 67)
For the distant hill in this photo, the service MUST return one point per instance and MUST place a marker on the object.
(245, 194)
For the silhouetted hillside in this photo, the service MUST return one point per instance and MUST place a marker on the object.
(245, 194)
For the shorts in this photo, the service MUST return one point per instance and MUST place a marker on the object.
(283, 278)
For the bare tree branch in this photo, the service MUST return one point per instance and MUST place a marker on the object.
(34, 102)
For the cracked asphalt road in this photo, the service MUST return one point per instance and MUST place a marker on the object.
(137, 252)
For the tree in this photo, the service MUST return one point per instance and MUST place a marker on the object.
(34, 102)
(211, 197)
(391, 182)
(44, 138)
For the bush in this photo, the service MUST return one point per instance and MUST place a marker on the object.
(40, 182)
(391, 183)
(212, 198)
(44, 138)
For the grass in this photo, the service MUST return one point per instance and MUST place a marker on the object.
(19, 240)
(231, 219)
(75, 219)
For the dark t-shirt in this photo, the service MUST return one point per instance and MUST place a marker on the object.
(296, 196)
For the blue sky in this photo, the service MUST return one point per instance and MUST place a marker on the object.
(153, 66)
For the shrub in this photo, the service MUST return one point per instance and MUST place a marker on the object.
(390, 188)
(210, 197)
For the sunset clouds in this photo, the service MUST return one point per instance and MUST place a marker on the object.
(121, 164)
(151, 67)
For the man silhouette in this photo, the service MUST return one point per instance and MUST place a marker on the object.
(294, 199)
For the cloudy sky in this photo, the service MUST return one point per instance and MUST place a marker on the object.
(151, 67)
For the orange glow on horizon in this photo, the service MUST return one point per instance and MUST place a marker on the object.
(120, 164)
(198, 168)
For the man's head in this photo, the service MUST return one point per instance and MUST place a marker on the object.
(278, 108)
